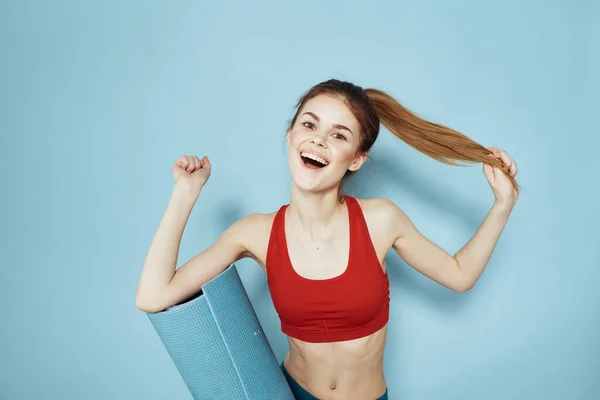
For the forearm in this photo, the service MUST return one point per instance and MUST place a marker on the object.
(161, 259)
(474, 256)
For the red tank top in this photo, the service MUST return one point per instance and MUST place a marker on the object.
(348, 306)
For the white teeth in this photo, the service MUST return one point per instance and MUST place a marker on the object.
(314, 157)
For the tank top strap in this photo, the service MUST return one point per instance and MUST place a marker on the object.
(355, 216)
(275, 246)
(360, 236)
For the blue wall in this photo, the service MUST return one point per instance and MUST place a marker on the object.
(100, 98)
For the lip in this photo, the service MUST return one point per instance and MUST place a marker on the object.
(311, 170)
(316, 153)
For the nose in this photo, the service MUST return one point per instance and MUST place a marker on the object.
(318, 139)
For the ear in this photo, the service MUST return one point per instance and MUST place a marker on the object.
(287, 137)
(358, 161)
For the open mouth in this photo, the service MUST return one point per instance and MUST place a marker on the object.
(313, 161)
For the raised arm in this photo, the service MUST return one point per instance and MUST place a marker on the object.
(461, 271)
(161, 285)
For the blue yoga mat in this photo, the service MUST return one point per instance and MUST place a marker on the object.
(217, 344)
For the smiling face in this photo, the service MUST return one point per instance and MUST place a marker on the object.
(323, 144)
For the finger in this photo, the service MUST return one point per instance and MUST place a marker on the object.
(206, 163)
(192, 165)
(513, 169)
(493, 156)
(495, 151)
(184, 162)
(506, 158)
(488, 170)
(197, 163)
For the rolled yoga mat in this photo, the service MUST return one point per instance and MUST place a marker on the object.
(217, 344)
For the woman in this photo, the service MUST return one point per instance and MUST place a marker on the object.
(324, 253)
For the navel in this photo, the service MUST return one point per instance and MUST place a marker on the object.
(332, 386)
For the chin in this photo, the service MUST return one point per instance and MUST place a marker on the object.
(309, 181)
(306, 186)
(304, 181)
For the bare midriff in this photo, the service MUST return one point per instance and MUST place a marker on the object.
(351, 369)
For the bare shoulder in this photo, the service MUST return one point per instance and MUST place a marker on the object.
(256, 221)
(384, 218)
(255, 231)
(380, 209)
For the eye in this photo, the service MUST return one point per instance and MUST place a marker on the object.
(308, 124)
(339, 136)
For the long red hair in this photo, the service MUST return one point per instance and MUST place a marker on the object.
(373, 107)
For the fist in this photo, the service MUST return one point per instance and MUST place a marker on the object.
(498, 179)
(192, 171)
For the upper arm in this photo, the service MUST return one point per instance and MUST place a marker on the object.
(421, 253)
(231, 246)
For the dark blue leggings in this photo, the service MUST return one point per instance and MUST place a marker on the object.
(302, 394)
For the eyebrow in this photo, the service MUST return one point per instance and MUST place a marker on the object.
(337, 126)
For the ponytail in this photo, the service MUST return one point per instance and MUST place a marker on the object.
(437, 141)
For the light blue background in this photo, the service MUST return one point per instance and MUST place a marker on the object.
(100, 98)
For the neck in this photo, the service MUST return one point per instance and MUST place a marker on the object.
(313, 212)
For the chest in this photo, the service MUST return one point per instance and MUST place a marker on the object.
(319, 259)
(325, 258)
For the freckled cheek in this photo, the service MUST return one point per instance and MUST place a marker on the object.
(342, 153)
(296, 137)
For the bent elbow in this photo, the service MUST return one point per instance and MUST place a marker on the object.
(463, 281)
(465, 287)
(147, 306)
(142, 306)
